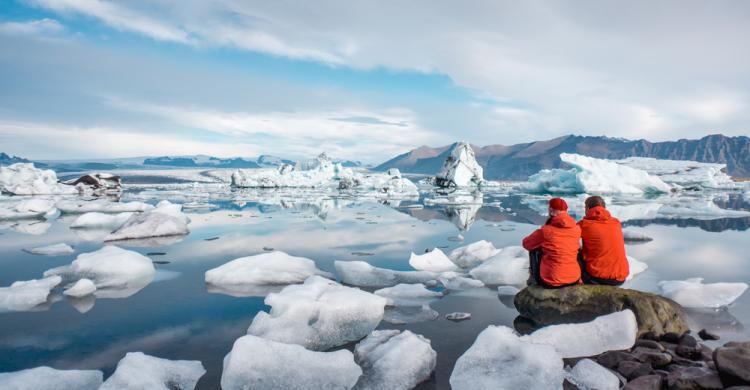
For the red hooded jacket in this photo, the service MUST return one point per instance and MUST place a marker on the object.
(559, 241)
(603, 245)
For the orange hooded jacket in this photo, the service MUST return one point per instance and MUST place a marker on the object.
(559, 241)
(603, 245)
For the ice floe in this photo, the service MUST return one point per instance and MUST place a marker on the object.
(395, 360)
(52, 250)
(507, 290)
(140, 371)
(26, 209)
(25, 295)
(363, 274)
(694, 293)
(635, 266)
(470, 256)
(47, 378)
(432, 261)
(320, 173)
(25, 179)
(499, 359)
(687, 174)
(632, 236)
(101, 206)
(460, 168)
(458, 316)
(81, 288)
(611, 332)
(701, 209)
(590, 375)
(319, 314)
(259, 363)
(399, 315)
(97, 183)
(97, 220)
(389, 184)
(408, 294)
(509, 266)
(166, 219)
(456, 281)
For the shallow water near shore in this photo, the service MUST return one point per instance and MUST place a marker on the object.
(176, 317)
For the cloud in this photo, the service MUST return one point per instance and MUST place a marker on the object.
(32, 27)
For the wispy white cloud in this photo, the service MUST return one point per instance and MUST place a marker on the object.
(44, 26)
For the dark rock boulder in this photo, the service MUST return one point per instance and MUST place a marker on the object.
(647, 382)
(693, 378)
(585, 302)
(733, 363)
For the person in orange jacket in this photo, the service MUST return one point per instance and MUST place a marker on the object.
(553, 249)
(603, 259)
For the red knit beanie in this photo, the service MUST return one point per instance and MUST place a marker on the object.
(558, 204)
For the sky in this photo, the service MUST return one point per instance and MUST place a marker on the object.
(362, 80)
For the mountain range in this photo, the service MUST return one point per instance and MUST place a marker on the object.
(519, 161)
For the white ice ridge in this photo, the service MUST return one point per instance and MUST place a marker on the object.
(509, 266)
(47, 378)
(593, 175)
(363, 274)
(272, 268)
(693, 293)
(432, 261)
(589, 375)
(688, 174)
(101, 206)
(140, 371)
(26, 209)
(81, 288)
(52, 250)
(319, 314)
(320, 173)
(259, 363)
(408, 294)
(97, 220)
(456, 281)
(499, 359)
(394, 360)
(615, 331)
(166, 219)
(460, 168)
(470, 256)
(25, 179)
(25, 295)
(386, 184)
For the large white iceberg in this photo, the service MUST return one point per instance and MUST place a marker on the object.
(460, 168)
(615, 331)
(47, 378)
(165, 220)
(432, 261)
(508, 266)
(693, 293)
(319, 314)
(687, 174)
(499, 359)
(140, 371)
(25, 179)
(52, 250)
(259, 363)
(97, 220)
(389, 184)
(408, 294)
(470, 256)
(25, 295)
(101, 206)
(394, 360)
(363, 274)
(593, 175)
(321, 172)
(590, 375)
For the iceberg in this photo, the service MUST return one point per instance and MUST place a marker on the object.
(389, 184)
(507, 290)
(394, 360)
(609, 332)
(321, 172)
(635, 266)
(81, 288)
(52, 250)
(499, 359)
(593, 175)
(686, 174)
(97, 220)
(165, 220)
(460, 168)
(47, 378)
(363, 274)
(34, 227)
(25, 179)
(101, 206)
(272, 268)
(693, 293)
(25, 295)
(455, 281)
(259, 363)
(140, 371)
(97, 183)
(432, 261)
(472, 255)
(319, 314)
(399, 315)
(590, 375)
(509, 266)
(408, 294)
(632, 236)
(27, 209)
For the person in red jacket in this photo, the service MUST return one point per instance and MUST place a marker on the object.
(603, 259)
(553, 249)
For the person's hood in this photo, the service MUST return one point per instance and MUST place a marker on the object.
(598, 213)
(562, 220)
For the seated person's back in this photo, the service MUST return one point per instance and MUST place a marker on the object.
(603, 245)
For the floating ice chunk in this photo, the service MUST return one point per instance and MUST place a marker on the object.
(319, 173)
(399, 315)
(703, 209)
(408, 294)
(363, 274)
(693, 293)
(34, 227)
(593, 175)
(97, 220)
(589, 375)
(455, 281)
(609, 332)
(432, 261)
(472, 255)
(394, 360)
(389, 184)
(47, 378)
(631, 236)
(25, 179)
(688, 174)
(140, 371)
(458, 316)
(509, 266)
(319, 314)
(81, 288)
(52, 250)
(460, 168)
(101, 206)
(165, 220)
(507, 290)
(499, 359)
(26, 209)
(25, 295)
(97, 183)
(116, 272)
(636, 266)
(272, 268)
(259, 363)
